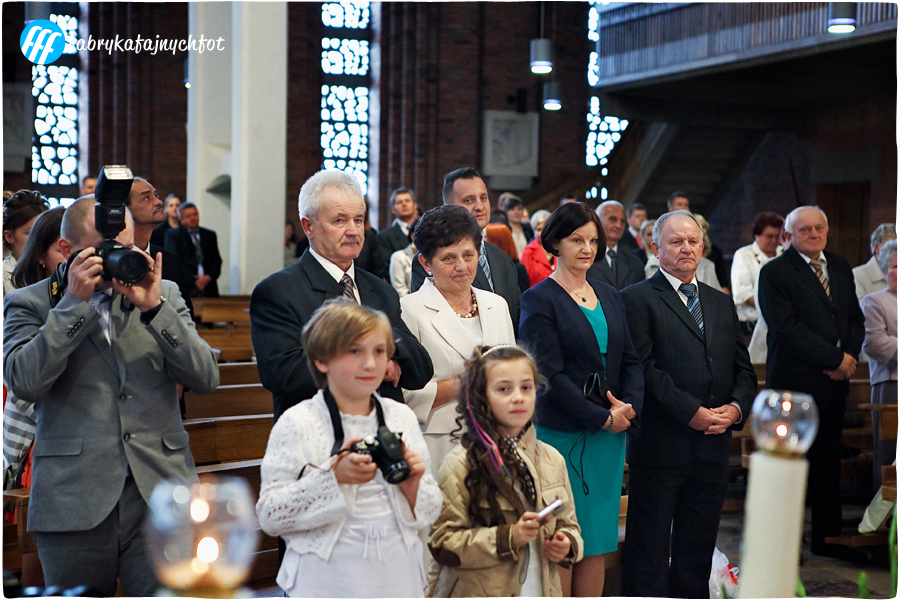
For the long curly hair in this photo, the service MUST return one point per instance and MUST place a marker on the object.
(478, 432)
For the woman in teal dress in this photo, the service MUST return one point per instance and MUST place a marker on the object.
(576, 327)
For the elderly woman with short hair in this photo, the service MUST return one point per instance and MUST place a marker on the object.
(880, 344)
(450, 318)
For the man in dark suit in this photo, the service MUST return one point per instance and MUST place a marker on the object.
(698, 385)
(496, 271)
(620, 267)
(636, 214)
(816, 329)
(198, 249)
(148, 211)
(332, 215)
(396, 237)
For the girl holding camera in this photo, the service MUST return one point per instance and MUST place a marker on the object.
(490, 539)
(349, 533)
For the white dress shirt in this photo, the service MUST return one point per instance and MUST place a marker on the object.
(336, 272)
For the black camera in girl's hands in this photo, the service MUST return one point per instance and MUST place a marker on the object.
(386, 450)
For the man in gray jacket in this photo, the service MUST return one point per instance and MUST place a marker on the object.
(100, 361)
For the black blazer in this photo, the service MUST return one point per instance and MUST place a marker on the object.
(503, 272)
(805, 326)
(178, 241)
(174, 271)
(629, 270)
(629, 243)
(684, 370)
(284, 302)
(391, 240)
(555, 328)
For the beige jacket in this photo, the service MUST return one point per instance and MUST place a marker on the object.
(480, 561)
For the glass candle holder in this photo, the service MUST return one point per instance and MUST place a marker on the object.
(202, 537)
(784, 422)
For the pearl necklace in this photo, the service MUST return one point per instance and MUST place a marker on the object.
(473, 312)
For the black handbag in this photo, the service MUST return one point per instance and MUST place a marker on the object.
(595, 389)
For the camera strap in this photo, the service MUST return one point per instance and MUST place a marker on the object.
(57, 283)
(336, 419)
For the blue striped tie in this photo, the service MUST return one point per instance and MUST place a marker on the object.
(483, 262)
(693, 303)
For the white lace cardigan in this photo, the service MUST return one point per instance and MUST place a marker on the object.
(310, 512)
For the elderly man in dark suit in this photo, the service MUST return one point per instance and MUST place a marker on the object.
(496, 271)
(620, 267)
(332, 214)
(816, 330)
(101, 361)
(698, 386)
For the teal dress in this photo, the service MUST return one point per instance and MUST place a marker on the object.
(599, 459)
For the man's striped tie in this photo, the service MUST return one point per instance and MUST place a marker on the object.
(693, 303)
(820, 274)
(347, 283)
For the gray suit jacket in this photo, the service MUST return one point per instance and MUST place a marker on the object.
(101, 409)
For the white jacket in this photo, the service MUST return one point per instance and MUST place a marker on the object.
(309, 512)
(744, 273)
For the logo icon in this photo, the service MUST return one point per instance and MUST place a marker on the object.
(42, 42)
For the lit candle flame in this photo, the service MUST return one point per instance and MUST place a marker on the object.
(207, 549)
(781, 430)
(199, 510)
(786, 406)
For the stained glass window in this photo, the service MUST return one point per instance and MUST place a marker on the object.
(54, 146)
(604, 131)
(345, 89)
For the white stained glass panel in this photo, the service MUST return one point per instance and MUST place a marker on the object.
(352, 14)
(55, 153)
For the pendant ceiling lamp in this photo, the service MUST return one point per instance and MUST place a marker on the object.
(541, 51)
(841, 17)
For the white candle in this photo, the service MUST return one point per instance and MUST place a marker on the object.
(773, 525)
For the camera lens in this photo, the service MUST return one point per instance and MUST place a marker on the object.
(126, 266)
(396, 473)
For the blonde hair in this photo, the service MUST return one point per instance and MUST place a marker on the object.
(335, 327)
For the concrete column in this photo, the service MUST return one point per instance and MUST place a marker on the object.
(258, 138)
(209, 123)
(237, 127)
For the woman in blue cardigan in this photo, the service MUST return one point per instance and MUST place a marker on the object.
(577, 327)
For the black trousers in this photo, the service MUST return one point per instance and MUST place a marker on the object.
(672, 510)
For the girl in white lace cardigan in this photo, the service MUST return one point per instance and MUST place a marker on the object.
(349, 533)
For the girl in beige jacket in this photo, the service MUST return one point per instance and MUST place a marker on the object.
(489, 540)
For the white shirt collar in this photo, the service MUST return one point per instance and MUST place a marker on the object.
(675, 282)
(334, 271)
(403, 225)
(807, 258)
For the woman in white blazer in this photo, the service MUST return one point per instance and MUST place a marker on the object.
(450, 318)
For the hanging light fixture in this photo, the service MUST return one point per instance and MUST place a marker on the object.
(841, 17)
(541, 51)
(552, 96)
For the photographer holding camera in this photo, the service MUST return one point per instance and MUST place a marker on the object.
(99, 348)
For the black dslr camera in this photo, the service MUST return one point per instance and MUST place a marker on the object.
(386, 450)
(113, 187)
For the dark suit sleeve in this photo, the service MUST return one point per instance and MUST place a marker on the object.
(745, 381)
(276, 329)
(658, 385)
(418, 275)
(416, 368)
(541, 333)
(631, 370)
(211, 258)
(789, 332)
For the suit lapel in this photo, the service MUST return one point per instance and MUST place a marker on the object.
(709, 313)
(808, 277)
(671, 298)
(445, 321)
(607, 273)
(319, 279)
